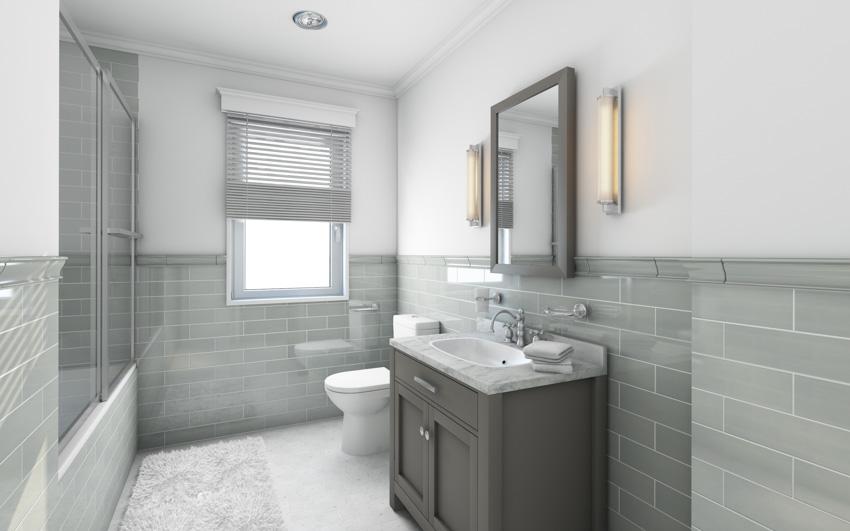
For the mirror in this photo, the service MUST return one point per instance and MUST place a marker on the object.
(532, 179)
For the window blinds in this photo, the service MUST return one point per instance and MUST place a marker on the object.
(286, 170)
(505, 189)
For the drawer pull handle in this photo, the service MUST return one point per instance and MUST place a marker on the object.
(427, 436)
(421, 430)
(424, 384)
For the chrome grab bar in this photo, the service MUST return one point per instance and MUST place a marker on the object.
(424, 384)
(373, 308)
(579, 311)
(121, 233)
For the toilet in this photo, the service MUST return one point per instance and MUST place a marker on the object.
(363, 396)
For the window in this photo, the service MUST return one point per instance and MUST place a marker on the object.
(288, 206)
(505, 190)
(291, 260)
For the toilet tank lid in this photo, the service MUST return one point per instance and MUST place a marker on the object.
(416, 322)
(359, 381)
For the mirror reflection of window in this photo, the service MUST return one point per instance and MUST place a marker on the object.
(527, 176)
(505, 203)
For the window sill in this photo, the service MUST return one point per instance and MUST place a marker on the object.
(283, 300)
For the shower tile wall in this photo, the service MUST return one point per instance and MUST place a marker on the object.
(209, 370)
(646, 325)
(77, 217)
(86, 495)
(771, 415)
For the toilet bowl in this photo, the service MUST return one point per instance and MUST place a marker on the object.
(363, 396)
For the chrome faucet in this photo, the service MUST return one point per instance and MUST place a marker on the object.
(520, 325)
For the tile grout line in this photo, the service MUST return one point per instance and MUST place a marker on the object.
(816, 509)
(761, 327)
(807, 419)
(737, 437)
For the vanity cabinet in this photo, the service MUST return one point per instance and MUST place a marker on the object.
(463, 460)
(437, 463)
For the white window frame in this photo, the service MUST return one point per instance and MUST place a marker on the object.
(237, 295)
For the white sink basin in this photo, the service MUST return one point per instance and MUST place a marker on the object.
(481, 351)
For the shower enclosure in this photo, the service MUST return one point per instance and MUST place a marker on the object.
(97, 230)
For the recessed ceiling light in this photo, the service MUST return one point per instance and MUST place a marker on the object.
(309, 20)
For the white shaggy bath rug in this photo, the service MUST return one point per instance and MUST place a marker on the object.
(224, 486)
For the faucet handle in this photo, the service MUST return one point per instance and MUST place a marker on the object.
(535, 334)
(509, 332)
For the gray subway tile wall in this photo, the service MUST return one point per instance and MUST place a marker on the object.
(86, 495)
(771, 384)
(28, 415)
(209, 370)
(32, 494)
(649, 416)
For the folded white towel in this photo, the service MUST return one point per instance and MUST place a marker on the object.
(547, 351)
(544, 362)
(557, 368)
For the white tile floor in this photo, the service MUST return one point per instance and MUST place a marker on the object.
(319, 487)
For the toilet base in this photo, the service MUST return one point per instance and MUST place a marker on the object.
(366, 434)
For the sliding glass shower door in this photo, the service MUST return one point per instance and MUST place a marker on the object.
(119, 235)
(97, 224)
(79, 85)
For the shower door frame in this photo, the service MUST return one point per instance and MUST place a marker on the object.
(105, 82)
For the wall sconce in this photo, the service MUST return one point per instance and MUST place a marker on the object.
(473, 185)
(609, 108)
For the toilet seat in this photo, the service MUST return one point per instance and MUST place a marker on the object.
(360, 381)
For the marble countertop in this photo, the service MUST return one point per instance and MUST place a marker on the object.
(589, 360)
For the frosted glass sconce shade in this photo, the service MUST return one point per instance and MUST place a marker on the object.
(610, 164)
(473, 185)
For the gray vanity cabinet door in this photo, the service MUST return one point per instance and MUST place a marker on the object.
(411, 448)
(453, 480)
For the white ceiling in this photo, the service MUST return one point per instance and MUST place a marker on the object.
(380, 44)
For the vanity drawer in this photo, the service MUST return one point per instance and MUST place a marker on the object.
(454, 397)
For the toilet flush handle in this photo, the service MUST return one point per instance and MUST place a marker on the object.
(422, 430)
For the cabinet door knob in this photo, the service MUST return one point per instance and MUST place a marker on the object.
(427, 436)
(421, 430)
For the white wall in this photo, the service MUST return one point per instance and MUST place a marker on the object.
(29, 142)
(644, 46)
(532, 235)
(771, 171)
(182, 157)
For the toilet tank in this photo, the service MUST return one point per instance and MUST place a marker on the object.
(409, 324)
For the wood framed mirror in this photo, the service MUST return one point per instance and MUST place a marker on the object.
(533, 179)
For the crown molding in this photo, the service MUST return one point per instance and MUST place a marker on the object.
(438, 55)
(472, 25)
(235, 65)
(534, 119)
